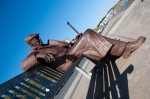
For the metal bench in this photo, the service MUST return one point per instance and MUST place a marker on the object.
(41, 82)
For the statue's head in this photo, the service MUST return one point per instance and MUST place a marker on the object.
(33, 40)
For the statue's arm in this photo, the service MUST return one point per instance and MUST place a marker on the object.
(59, 43)
(29, 62)
(33, 59)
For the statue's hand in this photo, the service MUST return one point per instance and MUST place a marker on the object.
(78, 35)
(76, 38)
(46, 56)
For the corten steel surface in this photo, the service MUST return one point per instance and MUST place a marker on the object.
(90, 45)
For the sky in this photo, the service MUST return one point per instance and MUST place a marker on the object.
(19, 18)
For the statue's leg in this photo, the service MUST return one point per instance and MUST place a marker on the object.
(124, 49)
(117, 48)
(91, 45)
(94, 46)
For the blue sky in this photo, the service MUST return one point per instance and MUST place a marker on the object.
(19, 18)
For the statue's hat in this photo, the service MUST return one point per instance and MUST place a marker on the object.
(30, 37)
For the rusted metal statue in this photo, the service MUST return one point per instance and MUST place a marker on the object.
(89, 44)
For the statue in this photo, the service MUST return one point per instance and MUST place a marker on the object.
(89, 44)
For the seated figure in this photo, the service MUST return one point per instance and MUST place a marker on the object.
(89, 44)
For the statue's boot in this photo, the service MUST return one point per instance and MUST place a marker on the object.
(132, 46)
(124, 49)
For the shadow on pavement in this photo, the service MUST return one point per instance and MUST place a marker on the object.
(107, 82)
